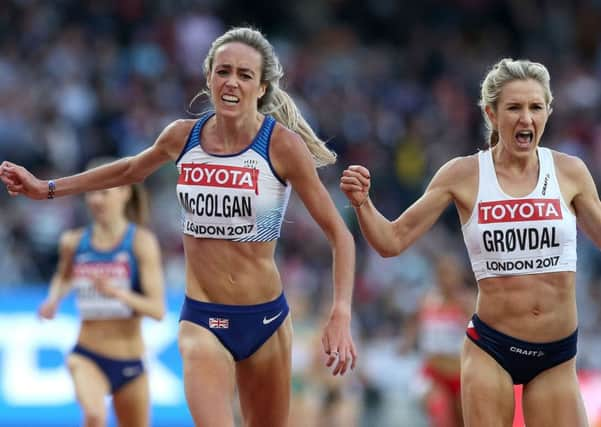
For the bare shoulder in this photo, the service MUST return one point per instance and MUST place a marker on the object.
(459, 169)
(174, 136)
(180, 127)
(573, 176)
(458, 178)
(283, 140)
(69, 240)
(144, 238)
(569, 166)
(288, 152)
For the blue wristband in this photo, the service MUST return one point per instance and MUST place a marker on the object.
(51, 188)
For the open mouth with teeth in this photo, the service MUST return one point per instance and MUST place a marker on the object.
(524, 137)
(230, 99)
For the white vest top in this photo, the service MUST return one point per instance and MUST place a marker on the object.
(508, 236)
(236, 197)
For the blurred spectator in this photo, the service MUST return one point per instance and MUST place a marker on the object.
(437, 331)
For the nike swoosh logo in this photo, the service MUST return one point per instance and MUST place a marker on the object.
(267, 321)
(130, 371)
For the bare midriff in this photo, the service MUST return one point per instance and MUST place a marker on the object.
(116, 338)
(535, 308)
(233, 273)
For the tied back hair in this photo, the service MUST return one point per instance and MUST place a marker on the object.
(275, 101)
(506, 71)
(137, 208)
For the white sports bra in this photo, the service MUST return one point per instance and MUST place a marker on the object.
(527, 235)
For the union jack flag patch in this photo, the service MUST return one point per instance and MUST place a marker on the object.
(219, 323)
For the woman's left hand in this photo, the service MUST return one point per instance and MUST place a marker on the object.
(338, 342)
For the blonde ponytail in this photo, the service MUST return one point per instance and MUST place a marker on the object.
(285, 111)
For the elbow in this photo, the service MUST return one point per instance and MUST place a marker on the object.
(134, 178)
(392, 246)
(132, 173)
(138, 179)
(388, 252)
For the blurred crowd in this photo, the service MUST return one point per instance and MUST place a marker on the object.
(391, 85)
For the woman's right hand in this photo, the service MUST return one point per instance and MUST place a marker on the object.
(47, 310)
(355, 183)
(19, 181)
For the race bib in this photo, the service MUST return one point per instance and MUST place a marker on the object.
(219, 201)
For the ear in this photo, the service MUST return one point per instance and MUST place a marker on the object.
(492, 116)
(262, 90)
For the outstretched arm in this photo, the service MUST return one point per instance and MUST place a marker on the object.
(586, 201)
(294, 163)
(390, 238)
(125, 171)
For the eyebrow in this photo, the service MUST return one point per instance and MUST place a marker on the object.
(512, 102)
(242, 69)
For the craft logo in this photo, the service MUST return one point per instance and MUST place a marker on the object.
(544, 190)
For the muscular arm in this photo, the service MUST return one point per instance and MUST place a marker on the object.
(579, 186)
(292, 160)
(294, 163)
(390, 238)
(125, 171)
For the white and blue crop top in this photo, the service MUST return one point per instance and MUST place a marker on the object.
(118, 265)
(237, 196)
(520, 235)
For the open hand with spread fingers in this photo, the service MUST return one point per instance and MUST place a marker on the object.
(355, 183)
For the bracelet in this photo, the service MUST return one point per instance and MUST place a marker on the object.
(51, 188)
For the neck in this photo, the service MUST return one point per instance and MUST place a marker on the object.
(237, 132)
(111, 229)
(505, 159)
